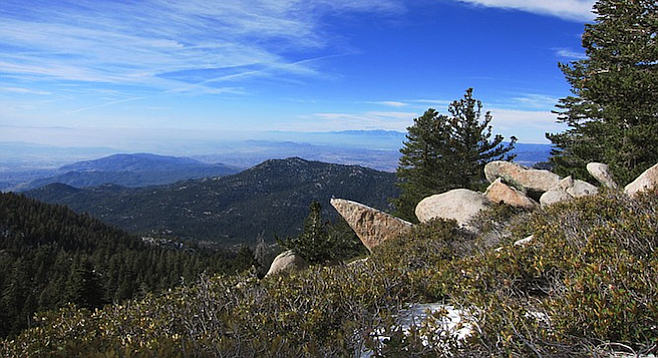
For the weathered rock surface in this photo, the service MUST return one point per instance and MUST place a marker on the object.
(459, 204)
(646, 180)
(602, 174)
(371, 225)
(500, 192)
(554, 196)
(521, 177)
(582, 188)
(564, 184)
(287, 260)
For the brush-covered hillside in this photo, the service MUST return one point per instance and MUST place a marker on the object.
(584, 286)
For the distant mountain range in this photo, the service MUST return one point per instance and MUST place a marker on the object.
(130, 170)
(25, 166)
(270, 198)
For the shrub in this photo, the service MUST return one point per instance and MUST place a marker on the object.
(588, 276)
(587, 280)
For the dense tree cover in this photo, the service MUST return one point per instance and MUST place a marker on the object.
(321, 241)
(268, 199)
(50, 256)
(613, 113)
(447, 152)
(586, 284)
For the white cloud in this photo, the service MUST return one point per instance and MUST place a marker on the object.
(23, 90)
(570, 54)
(527, 126)
(320, 122)
(147, 43)
(534, 101)
(391, 103)
(576, 10)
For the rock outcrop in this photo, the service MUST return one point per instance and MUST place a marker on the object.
(511, 184)
(371, 225)
(647, 180)
(526, 179)
(458, 204)
(499, 192)
(601, 173)
(287, 260)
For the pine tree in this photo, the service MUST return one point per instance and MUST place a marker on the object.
(321, 241)
(84, 287)
(447, 152)
(613, 113)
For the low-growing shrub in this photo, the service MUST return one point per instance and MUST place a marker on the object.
(589, 276)
(586, 284)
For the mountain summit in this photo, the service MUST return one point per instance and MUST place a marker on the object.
(270, 198)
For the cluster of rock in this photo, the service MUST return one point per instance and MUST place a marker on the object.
(510, 183)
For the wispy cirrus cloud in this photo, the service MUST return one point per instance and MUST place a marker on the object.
(147, 43)
(570, 54)
(20, 90)
(391, 103)
(576, 10)
(534, 101)
(368, 120)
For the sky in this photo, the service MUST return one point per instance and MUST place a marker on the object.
(122, 72)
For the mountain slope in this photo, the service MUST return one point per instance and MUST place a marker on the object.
(50, 255)
(268, 199)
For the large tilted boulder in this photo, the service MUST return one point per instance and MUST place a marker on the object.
(527, 179)
(647, 180)
(602, 174)
(459, 204)
(499, 192)
(287, 260)
(371, 225)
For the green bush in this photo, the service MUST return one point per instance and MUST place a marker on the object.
(588, 277)
(588, 280)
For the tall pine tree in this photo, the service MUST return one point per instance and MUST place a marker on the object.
(613, 113)
(447, 152)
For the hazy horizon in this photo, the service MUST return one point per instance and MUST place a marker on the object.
(121, 75)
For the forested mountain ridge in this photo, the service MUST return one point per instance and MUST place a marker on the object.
(269, 199)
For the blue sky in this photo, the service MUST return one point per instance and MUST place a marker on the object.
(120, 72)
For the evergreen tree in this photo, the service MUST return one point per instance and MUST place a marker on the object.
(447, 152)
(84, 287)
(245, 259)
(321, 241)
(613, 113)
